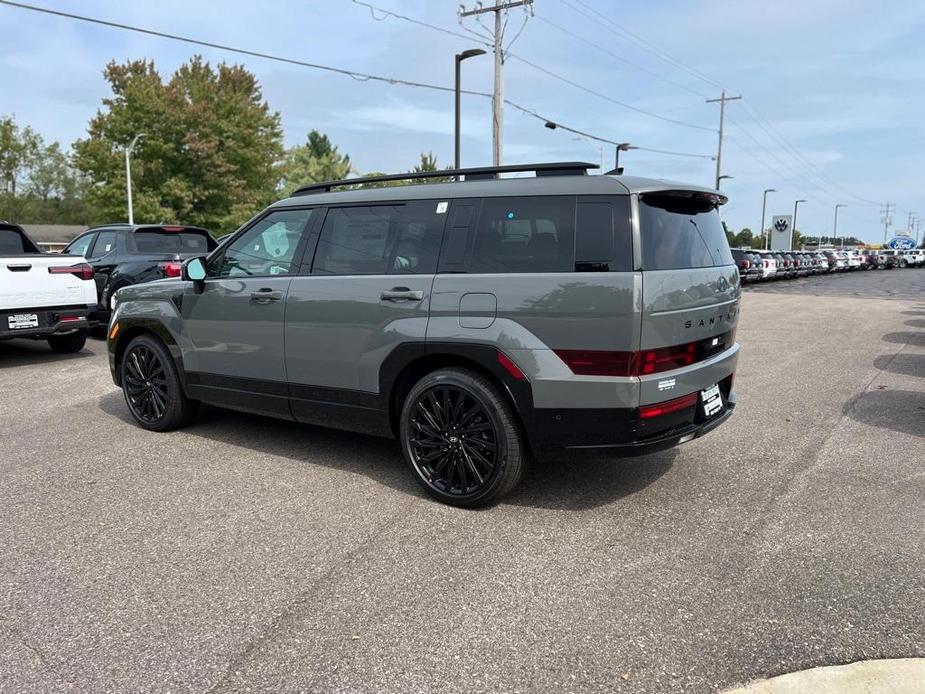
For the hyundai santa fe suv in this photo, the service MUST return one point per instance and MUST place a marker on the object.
(477, 321)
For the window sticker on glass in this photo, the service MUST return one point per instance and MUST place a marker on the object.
(441, 207)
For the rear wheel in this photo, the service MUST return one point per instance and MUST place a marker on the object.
(152, 386)
(460, 437)
(69, 343)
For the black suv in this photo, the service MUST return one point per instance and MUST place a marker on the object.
(122, 255)
(749, 266)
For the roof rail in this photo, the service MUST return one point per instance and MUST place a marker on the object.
(562, 168)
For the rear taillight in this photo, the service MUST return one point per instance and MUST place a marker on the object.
(746, 265)
(82, 270)
(668, 358)
(585, 362)
(590, 362)
(667, 407)
(172, 269)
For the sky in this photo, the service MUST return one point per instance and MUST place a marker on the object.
(832, 90)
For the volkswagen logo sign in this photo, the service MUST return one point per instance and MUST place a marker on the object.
(781, 224)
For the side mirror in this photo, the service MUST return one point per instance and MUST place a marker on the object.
(194, 270)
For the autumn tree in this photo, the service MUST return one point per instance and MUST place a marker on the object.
(314, 162)
(211, 153)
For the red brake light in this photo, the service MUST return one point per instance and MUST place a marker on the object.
(590, 362)
(82, 270)
(667, 407)
(172, 269)
(668, 358)
(587, 362)
(173, 229)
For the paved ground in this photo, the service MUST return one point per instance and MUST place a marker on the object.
(248, 554)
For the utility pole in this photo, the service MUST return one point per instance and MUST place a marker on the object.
(887, 219)
(497, 101)
(722, 112)
(909, 222)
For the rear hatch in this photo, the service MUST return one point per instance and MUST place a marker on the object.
(170, 242)
(167, 246)
(690, 290)
(32, 279)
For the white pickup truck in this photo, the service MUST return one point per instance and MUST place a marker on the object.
(43, 296)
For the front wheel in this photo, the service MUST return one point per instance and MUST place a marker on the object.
(152, 386)
(461, 439)
(69, 343)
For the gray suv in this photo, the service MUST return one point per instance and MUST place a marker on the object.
(478, 321)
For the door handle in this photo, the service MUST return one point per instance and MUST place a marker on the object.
(402, 294)
(265, 296)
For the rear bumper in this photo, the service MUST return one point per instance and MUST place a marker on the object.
(615, 432)
(49, 322)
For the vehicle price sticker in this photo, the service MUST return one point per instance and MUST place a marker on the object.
(712, 400)
(22, 320)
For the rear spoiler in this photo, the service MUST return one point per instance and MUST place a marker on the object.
(709, 196)
(171, 229)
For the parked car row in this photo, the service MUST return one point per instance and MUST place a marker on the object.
(756, 265)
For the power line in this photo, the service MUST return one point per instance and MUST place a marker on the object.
(620, 58)
(388, 13)
(601, 95)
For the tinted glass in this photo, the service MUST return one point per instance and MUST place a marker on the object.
(267, 248)
(105, 244)
(169, 242)
(14, 243)
(603, 235)
(526, 234)
(681, 232)
(80, 246)
(380, 240)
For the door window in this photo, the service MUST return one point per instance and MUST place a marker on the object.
(380, 240)
(529, 234)
(80, 246)
(105, 244)
(267, 248)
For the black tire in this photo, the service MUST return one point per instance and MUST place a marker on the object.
(476, 451)
(152, 388)
(69, 343)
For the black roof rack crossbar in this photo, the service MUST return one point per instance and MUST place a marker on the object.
(562, 168)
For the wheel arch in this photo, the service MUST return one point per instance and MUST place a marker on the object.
(408, 364)
(129, 329)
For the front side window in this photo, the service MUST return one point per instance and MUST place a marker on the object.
(680, 232)
(380, 240)
(81, 245)
(267, 248)
(525, 234)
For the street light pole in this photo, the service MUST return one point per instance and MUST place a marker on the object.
(764, 207)
(835, 222)
(622, 147)
(721, 178)
(793, 226)
(471, 53)
(128, 175)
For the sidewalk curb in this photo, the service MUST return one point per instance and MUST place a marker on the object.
(899, 676)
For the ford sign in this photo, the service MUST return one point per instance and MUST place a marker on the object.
(901, 243)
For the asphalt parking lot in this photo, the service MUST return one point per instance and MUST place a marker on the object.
(248, 554)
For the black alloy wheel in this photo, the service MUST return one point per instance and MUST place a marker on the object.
(461, 438)
(145, 384)
(454, 444)
(152, 387)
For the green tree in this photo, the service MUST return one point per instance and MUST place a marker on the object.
(211, 153)
(744, 239)
(314, 162)
(429, 163)
(18, 148)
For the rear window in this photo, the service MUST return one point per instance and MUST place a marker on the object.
(155, 241)
(13, 242)
(681, 232)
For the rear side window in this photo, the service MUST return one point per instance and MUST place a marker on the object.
(603, 235)
(105, 244)
(154, 241)
(525, 234)
(12, 242)
(380, 240)
(681, 232)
